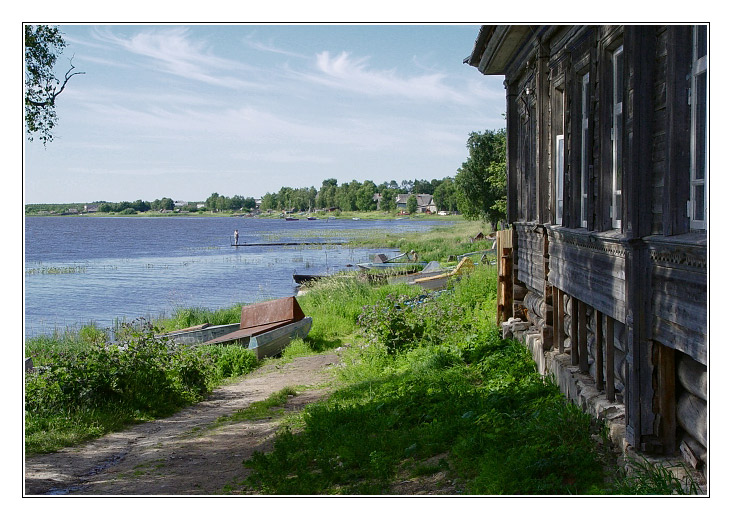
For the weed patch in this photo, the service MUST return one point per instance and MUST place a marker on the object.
(95, 387)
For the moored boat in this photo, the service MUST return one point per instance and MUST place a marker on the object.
(265, 328)
(404, 263)
(438, 281)
(304, 278)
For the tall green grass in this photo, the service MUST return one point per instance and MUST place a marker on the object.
(335, 303)
(447, 387)
(79, 390)
(185, 317)
(439, 244)
(446, 384)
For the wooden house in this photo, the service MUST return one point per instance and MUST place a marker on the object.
(607, 206)
(425, 204)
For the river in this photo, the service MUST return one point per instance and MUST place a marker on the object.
(80, 270)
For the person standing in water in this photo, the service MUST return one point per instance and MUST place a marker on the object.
(236, 237)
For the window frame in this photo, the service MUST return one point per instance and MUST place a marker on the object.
(616, 136)
(585, 151)
(558, 148)
(559, 164)
(698, 143)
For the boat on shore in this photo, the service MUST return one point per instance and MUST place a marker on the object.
(305, 278)
(404, 263)
(266, 328)
(431, 269)
(440, 280)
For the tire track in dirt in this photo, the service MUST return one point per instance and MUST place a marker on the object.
(179, 455)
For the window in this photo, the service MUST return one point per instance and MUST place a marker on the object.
(559, 177)
(616, 204)
(585, 151)
(558, 150)
(698, 102)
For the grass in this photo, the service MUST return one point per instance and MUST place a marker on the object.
(439, 244)
(452, 391)
(429, 387)
(271, 406)
(81, 390)
(455, 389)
(187, 317)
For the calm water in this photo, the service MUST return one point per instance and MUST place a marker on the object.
(80, 270)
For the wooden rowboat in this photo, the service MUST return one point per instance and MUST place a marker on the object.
(405, 263)
(265, 328)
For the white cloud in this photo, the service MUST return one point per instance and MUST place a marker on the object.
(270, 47)
(345, 72)
(171, 50)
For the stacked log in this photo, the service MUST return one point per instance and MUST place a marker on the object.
(691, 406)
(619, 331)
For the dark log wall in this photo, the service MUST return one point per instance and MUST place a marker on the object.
(530, 251)
(679, 295)
(619, 363)
(592, 270)
(658, 152)
(649, 278)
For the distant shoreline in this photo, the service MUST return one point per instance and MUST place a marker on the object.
(369, 215)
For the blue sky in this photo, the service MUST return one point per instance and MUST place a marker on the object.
(182, 111)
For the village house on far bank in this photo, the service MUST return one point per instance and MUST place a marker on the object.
(605, 261)
(425, 204)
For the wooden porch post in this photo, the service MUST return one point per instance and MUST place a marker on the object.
(610, 359)
(582, 336)
(599, 380)
(573, 332)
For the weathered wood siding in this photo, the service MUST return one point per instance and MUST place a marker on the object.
(640, 275)
(530, 254)
(591, 270)
(679, 297)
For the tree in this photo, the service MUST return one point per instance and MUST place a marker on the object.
(249, 203)
(269, 202)
(141, 205)
(445, 196)
(212, 201)
(167, 203)
(365, 196)
(411, 204)
(422, 186)
(481, 180)
(43, 45)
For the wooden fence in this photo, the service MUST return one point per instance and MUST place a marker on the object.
(504, 253)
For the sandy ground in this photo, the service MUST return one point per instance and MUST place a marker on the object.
(180, 455)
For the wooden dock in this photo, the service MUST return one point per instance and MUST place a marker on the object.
(280, 244)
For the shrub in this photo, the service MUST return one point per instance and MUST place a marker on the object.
(143, 371)
(234, 360)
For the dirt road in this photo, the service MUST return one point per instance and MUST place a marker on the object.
(180, 455)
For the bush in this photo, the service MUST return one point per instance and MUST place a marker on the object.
(393, 322)
(233, 360)
(143, 372)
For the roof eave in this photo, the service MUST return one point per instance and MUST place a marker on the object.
(496, 46)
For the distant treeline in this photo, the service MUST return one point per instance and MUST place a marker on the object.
(478, 191)
(349, 196)
(357, 196)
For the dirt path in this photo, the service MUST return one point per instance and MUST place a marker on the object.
(178, 455)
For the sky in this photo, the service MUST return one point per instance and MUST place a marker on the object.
(183, 111)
